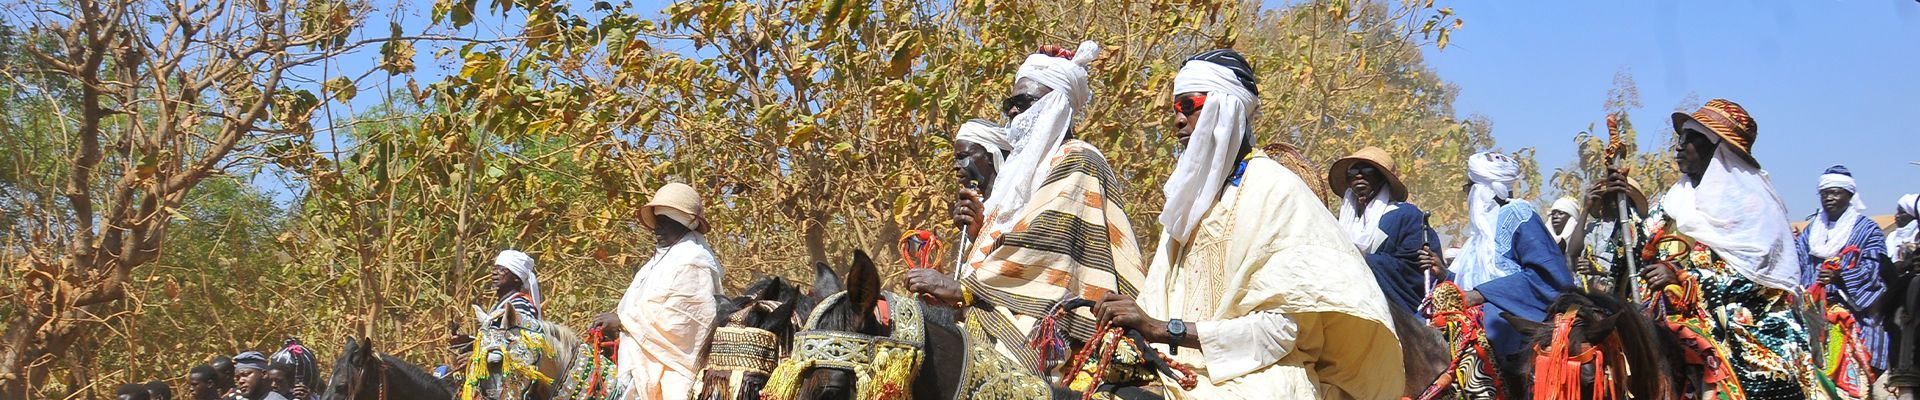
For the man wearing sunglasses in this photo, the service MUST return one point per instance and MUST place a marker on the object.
(1053, 227)
(1254, 284)
(1383, 226)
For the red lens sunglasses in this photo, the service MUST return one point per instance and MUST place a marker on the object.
(1189, 104)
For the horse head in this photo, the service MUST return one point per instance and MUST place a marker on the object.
(749, 341)
(356, 374)
(1601, 338)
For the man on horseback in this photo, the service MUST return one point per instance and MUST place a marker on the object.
(1510, 263)
(1842, 249)
(1252, 271)
(668, 310)
(1599, 251)
(1054, 228)
(1720, 266)
(1381, 223)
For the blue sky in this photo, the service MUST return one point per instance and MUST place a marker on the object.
(1827, 81)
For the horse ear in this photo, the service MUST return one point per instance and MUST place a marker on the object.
(863, 286)
(781, 318)
(1598, 330)
(1526, 326)
(825, 282)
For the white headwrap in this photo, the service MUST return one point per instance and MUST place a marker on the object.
(988, 135)
(1038, 130)
(521, 265)
(1896, 241)
(1823, 240)
(1735, 211)
(1218, 130)
(1493, 176)
(1364, 227)
(1572, 208)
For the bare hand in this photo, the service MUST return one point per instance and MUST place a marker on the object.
(968, 210)
(1830, 277)
(1584, 266)
(1433, 262)
(1474, 298)
(1121, 311)
(1614, 183)
(607, 323)
(933, 283)
(1659, 276)
(300, 391)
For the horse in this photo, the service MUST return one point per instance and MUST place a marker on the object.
(863, 342)
(363, 374)
(1597, 337)
(517, 359)
(748, 342)
(1423, 350)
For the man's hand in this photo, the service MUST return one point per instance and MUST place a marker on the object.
(1122, 311)
(607, 323)
(1659, 276)
(1584, 266)
(1830, 277)
(933, 283)
(968, 210)
(1615, 182)
(300, 391)
(1433, 262)
(1474, 298)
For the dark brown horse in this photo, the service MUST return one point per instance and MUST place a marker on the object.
(1603, 337)
(749, 339)
(362, 373)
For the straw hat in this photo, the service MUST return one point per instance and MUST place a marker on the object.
(675, 198)
(1337, 175)
(1725, 119)
(1637, 196)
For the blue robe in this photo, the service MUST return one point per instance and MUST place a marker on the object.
(1862, 283)
(1396, 263)
(1521, 240)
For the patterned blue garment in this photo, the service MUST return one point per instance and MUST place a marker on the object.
(1862, 283)
(1525, 246)
(1396, 264)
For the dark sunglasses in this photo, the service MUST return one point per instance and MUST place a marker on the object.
(1187, 105)
(1019, 101)
(1361, 171)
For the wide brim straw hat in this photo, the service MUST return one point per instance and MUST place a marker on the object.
(679, 197)
(1638, 196)
(1725, 119)
(1338, 180)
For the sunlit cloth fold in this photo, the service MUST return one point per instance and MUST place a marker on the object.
(1037, 133)
(1072, 241)
(1572, 208)
(1734, 210)
(1898, 239)
(986, 134)
(1362, 221)
(1860, 279)
(1223, 125)
(1493, 176)
(521, 265)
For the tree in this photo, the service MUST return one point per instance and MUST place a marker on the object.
(1652, 169)
(163, 97)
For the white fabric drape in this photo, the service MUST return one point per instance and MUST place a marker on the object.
(1222, 124)
(1734, 210)
(1827, 236)
(666, 316)
(1036, 132)
(1493, 176)
(1898, 240)
(1364, 227)
(1572, 208)
(987, 135)
(521, 265)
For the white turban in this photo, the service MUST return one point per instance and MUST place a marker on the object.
(988, 135)
(1493, 176)
(1897, 241)
(1826, 239)
(1572, 208)
(1734, 210)
(521, 265)
(1219, 129)
(1038, 130)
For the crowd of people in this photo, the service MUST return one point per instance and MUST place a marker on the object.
(1252, 280)
(291, 373)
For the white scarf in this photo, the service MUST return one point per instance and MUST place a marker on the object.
(1735, 211)
(1898, 240)
(1038, 131)
(987, 135)
(521, 265)
(1219, 128)
(1364, 227)
(1493, 175)
(1572, 208)
(1823, 240)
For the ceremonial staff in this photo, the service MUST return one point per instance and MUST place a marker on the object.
(1622, 231)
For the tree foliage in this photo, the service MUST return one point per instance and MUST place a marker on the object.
(1653, 170)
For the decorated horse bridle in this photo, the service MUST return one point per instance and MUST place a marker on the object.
(884, 365)
(1557, 368)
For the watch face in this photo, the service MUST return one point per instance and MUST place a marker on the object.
(1177, 327)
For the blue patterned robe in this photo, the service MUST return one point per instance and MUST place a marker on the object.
(1396, 263)
(1522, 244)
(1862, 283)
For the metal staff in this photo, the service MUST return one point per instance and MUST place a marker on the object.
(1621, 231)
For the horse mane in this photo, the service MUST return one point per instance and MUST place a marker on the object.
(413, 381)
(1652, 371)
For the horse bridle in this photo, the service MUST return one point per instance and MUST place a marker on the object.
(359, 379)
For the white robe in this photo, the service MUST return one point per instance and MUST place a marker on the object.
(1283, 303)
(666, 316)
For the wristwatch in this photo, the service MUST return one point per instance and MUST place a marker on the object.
(1177, 331)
